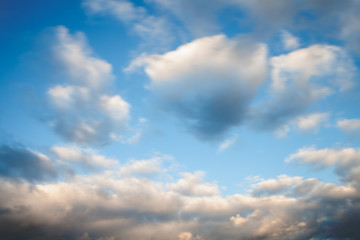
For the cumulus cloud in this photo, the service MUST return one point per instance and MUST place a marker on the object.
(209, 82)
(83, 109)
(299, 79)
(18, 162)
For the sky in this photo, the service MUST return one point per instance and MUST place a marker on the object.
(179, 119)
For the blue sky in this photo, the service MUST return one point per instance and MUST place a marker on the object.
(179, 119)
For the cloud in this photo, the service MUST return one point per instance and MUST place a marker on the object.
(311, 122)
(106, 205)
(83, 111)
(298, 80)
(153, 30)
(18, 162)
(109, 207)
(227, 143)
(146, 167)
(86, 158)
(199, 16)
(346, 161)
(208, 83)
(290, 42)
(350, 126)
(192, 185)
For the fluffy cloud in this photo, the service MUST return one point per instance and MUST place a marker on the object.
(83, 109)
(299, 79)
(209, 82)
(290, 42)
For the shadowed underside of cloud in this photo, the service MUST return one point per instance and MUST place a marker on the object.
(18, 162)
(209, 82)
(114, 205)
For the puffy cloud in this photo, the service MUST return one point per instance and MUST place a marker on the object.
(290, 42)
(350, 126)
(299, 79)
(145, 167)
(18, 162)
(209, 82)
(83, 111)
(192, 185)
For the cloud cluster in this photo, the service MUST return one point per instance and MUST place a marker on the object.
(109, 205)
(300, 79)
(209, 82)
(83, 110)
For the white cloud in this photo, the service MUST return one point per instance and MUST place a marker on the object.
(300, 79)
(227, 143)
(76, 57)
(350, 126)
(146, 167)
(311, 122)
(309, 64)
(346, 161)
(86, 157)
(83, 110)
(192, 185)
(208, 82)
(290, 42)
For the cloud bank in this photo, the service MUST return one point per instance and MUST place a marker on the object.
(114, 205)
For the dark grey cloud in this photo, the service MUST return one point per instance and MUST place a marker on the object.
(19, 162)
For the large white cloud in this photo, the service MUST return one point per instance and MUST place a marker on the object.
(83, 109)
(209, 82)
